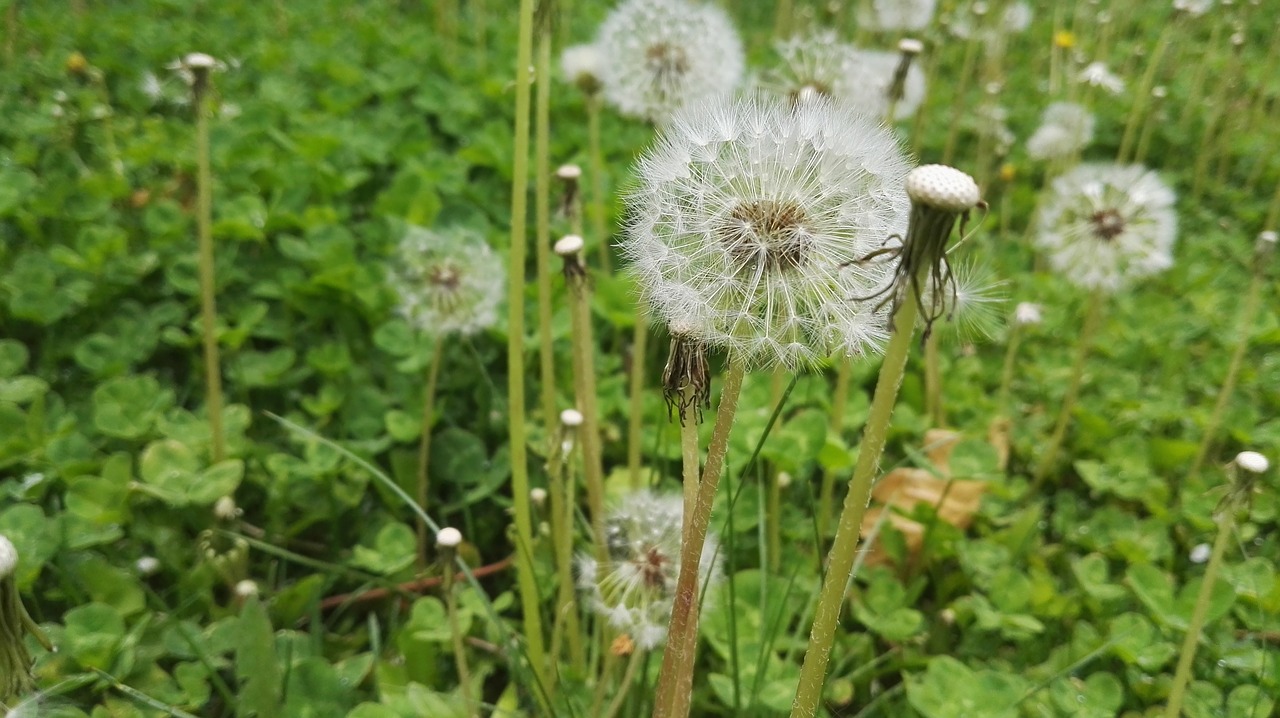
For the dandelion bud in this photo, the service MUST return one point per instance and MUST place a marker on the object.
(147, 565)
(569, 248)
(568, 173)
(1027, 314)
(1252, 462)
(910, 46)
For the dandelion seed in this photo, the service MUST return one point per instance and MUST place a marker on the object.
(1027, 314)
(659, 55)
(975, 300)
(1096, 74)
(1065, 129)
(447, 281)
(1106, 225)
(747, 221)
(885, 15)
(637, 593)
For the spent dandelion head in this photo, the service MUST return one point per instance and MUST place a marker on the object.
(658, 55)
(1065, 129)
(1106, 225)
(746, 220)
(448, 281)
(636, 591)
(686, 379)
(884, 15)
(880, 81)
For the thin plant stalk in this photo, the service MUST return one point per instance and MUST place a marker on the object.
(844, 549)
(525, 580)
(208, 301)
(424, 444)
(675, 680)
(560, 494)
(1226, 520)
(1006, 374)
(459, 647)
(1248, 312)
(933, 382)
(1093, 317)
(835, 425)
(480, 28)
(628, 677)
(1142, 93)
(596, 167)
(958, 104)
(773, 489)
(635, 423)
(584, 374)
(782, 19)
(542, 218)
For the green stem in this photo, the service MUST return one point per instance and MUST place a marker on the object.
(933, 383)
(542, 219)
(1006, 374)
(561, 496)
(1142, 93)
(773, 490)
(689, 460)
(525, 580)
(675, 680)
(1181, 677)
(1048, 459)
(628, 677)
(782, 19)
(1247, 313)
(424, 445)
(635, 423)
(957, 104)
(584, 373)
(208, 302)
(459, 648)
(840, 560)
(596, 166)
(826, 494)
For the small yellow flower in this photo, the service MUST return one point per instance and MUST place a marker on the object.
(1007, 172)
(1064, 39)
(76, 63)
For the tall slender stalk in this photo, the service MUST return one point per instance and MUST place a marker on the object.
(596, 167)
(957, 104)
(635, 410)
(525, 580)
(1006, 373)
(424, 444)
(542, 217)
(1048, 459)
(204, 231)
(1142, 93)
(449, 553)
(628, 677)
(835, 425)
(675, 681)
(562, 502)
(933, 383)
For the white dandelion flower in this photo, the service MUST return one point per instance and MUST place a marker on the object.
(871, 74)
(1106, 225)
(447, 281)
(1195, 8)
(581, 66)
(1065, 129)
(973, 21)
(659, 55)
(884, 15)
(748, 221)
(1096, 74)
(637, 591)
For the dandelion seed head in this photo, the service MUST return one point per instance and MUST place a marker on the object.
(898, 14)
(581, 66)
(1065, 129)
(1106, 225)
(448, 537)
(1195, 8)
(748, 220)
(658, 55)
(448, 281)
(871, 74)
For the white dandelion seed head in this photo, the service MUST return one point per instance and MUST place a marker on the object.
(8, 557)
(1106, 225)
(1065, 129)
(658, 55)
(870, 75)
(747, 216)
(943, 187)
(974, 21)
(884, 15)
(1096, 74)
(571, 417)
(225, 509)
(819, 65)
(637, 593)
(448, 281)
(1253, 462)
(1194, 8)
(581, 65)
(1027, 314)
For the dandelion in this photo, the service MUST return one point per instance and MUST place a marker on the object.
(1194, 8)
(636, 592)
(661, 54)
(1065, 129)
(1096, 74)
(581, 67)
(873, 88)
(883, 15)
(15, 622)
(812, 66)
(748, 217)
(973, 297)
(970, 22)
(448, 282)
(1027, 314)
(152, 87)
(1107, 225)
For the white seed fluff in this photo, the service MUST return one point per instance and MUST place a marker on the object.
(1027, 314)
(1253, 462)
(871, 74)
(658, 55)
(449, 537)
(1065, 129)
(747, 217)
(943, 187)
(1106, 225)
(448, 281)
(819, 65)
(897, 14)
(1096, 74)
(581, 64)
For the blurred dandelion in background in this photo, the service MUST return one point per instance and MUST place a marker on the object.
(447, 281)
(1065, 129)
(635, 593)
(883, 15)
(1106, 225)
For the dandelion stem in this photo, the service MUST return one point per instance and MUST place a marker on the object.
(208, 302)
(424, 445)
(675, 681)
(957, 104)
(525, 579)
(639, 347)
(1006, 374)
(835, 426)
(773, 495)
(459, 647)
(689, 455)
(584, 373)
(628, 677)
(844, 549)
(933, 383)
(1142, 93)
(596, 161)
(542, 217)
(561, 497)
(1182, 676)
(1247, 313)
(1092, 319)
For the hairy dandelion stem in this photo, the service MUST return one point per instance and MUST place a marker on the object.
(675, 681)
(584, 373)
(1093, 317)
(561, 496)
(542, 216)
(933, 383)
(635, 409)
(208, 301)
(844, 549)
(517, 439)
(424, 444)
(835, 427)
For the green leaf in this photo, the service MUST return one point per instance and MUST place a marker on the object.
(950, 689)
(13, 357)
(257, 670)
(93, 635)
(128, 407)
(392, 550)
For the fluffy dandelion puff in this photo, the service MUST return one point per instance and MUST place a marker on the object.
(636, 592)
(974, 299)
(447, 281)
(659, 55)
(1096, 74)
(820, 65)
(1106, 225)
(973, 20)
(1065, 129)
(897, 14)
(581, 66)
(750, 217)
(870, 76)
(1027, 314)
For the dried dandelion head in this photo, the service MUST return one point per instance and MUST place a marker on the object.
(748, 218)
(448, 281)
(1107, 225)
(658, 55)
(1065, 129)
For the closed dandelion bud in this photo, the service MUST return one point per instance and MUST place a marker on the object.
(569, 175)
(448, 281)
(659, 55)
(1105, 225)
